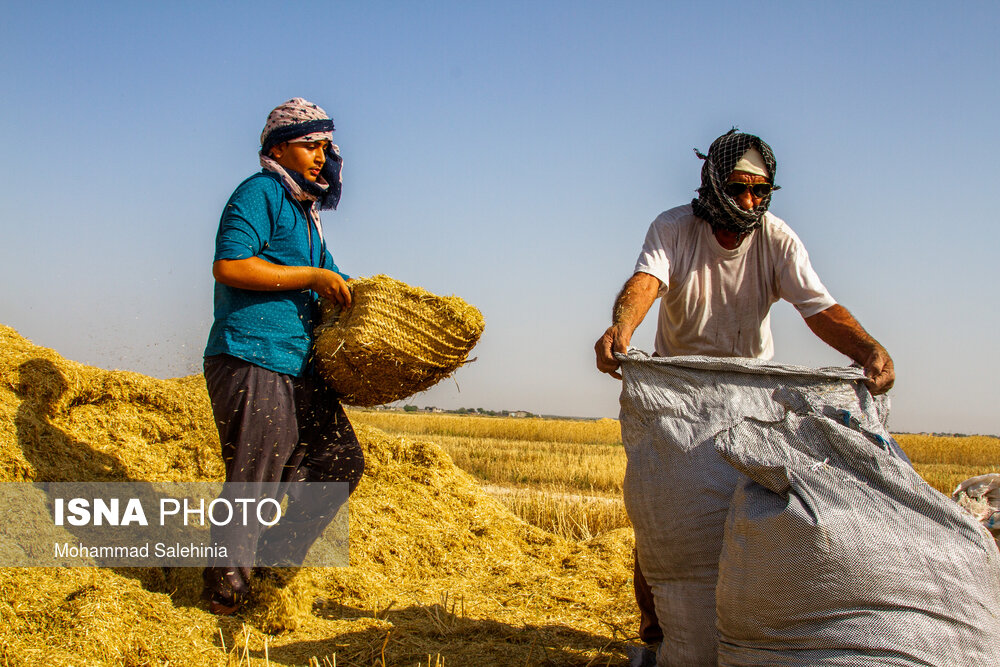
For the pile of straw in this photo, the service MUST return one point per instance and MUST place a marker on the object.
(439, 569)
(394, 341)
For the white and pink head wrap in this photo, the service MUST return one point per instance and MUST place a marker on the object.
(300, 121)
(296, 120)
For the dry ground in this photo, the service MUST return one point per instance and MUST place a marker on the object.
(556, 473)
(442, 572)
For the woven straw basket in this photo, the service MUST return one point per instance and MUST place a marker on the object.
(394, 341)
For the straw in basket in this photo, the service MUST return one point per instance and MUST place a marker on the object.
(394, 341)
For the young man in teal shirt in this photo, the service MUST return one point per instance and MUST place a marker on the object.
(277, 421)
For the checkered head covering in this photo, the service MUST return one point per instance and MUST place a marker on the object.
(301, 121)
(713, 204)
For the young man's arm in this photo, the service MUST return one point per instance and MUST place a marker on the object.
(836, 327)
(631, 306)
(255, 273)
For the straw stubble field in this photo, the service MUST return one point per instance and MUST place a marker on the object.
(440, 572)
(443, 570)
(566, 475)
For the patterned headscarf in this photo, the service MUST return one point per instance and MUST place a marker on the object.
(300, 121)
(713, 204)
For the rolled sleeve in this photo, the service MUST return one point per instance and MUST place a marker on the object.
(654, 258)
(245, 227)
(798, 282)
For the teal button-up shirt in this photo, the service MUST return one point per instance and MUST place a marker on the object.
(270, 329)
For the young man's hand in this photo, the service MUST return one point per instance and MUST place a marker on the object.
(255, 273)
(330, 285)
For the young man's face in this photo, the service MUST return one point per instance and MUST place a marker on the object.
(307, 158)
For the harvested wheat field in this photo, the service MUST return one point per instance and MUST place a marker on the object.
(441, 573)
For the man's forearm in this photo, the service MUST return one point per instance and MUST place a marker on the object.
(634, 301)
(637, 295)
(254, 273)
(836, 327)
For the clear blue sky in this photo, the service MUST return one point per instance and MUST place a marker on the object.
(514, 154)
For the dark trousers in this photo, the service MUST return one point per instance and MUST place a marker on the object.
(275, 428)
(649, 624)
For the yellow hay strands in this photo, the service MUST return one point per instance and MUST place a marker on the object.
(440, 573)
(394, 341)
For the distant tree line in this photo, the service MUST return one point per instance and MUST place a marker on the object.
(471, 411)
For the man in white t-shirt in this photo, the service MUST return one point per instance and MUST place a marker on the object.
(717, 265)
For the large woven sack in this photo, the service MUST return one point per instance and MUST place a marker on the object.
(677, 487)
(836, 552)
(980, 497)
(394, 341)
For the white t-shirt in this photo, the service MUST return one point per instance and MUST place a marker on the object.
(717, 302)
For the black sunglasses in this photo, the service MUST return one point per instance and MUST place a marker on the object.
(759, 190)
